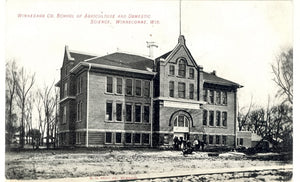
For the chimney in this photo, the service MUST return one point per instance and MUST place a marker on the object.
(214, 72)
(150, 45)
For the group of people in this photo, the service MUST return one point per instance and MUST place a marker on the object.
(181, 144)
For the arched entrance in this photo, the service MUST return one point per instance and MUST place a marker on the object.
(182, 122)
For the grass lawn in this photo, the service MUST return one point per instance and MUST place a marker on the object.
(45, 164)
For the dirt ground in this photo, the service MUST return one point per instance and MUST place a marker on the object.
(45, 164)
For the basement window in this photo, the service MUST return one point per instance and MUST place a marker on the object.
(108, 137)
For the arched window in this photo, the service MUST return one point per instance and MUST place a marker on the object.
(181, 121)
(181, 68)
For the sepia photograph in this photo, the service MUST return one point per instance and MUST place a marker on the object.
(167, 90)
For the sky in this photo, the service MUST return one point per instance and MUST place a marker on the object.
(238, 39)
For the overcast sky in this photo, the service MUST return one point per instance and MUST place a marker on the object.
(238, 39)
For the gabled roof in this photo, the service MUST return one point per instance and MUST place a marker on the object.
(181, 44)
(213, 79)
(164, 56)
(124, 60)
(80, 56)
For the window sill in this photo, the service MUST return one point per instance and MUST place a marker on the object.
(108, 121)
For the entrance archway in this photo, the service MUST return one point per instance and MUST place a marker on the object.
(181, 121)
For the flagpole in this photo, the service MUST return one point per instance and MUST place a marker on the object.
(179, 17)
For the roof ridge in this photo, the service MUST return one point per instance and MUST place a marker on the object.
(134, 54)
(85, 53)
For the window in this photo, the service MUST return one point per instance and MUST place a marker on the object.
(218, 118)
(64, 118)
(118, 138)
(211, 139)
(138, 113)
(204, 138)
(119, 111)
(218, 139)
(146, 114)
(128, 112)
(138, 87)
(108, 111)
(224, 140)
(108, 137)
(66, 89)
(224, 118)
(145, 138)
(224, 98)
(191, 73)
(204, 117)
(211, 118)
(79, 85)
(137, 138)
(181, 121)
(78, 141)
(218, 97)
(181, 90)
(128, 87)
(119, 86)
(109, 84)
(171, 88)
(79, 111)
(146, 88)
(176, 121)
(191, 91)
(181, 68)
(205, 95)
(211, 96)
(172, 70)
(127, 137)
(241, 141)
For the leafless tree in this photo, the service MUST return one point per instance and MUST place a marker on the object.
(10, 95)
(28, 115)
(41, 120)
(244, 119)
(46, 104)
(25, 83)
(283, 74)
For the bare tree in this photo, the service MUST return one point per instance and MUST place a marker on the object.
(47, 104)
(25, 83)
(283, 74)
(244, 119)
(10, 95)
(28, 116)
(41, 121)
